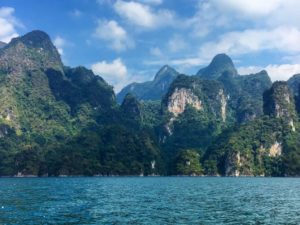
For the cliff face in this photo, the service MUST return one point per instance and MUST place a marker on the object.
(40, 95)
(207, 97)
(33, 51)
(263, 146)
(279, 102)
(56, 120)
(180, 98)
(194, 112)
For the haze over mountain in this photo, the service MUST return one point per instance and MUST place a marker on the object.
(57, 120)
(151, 90)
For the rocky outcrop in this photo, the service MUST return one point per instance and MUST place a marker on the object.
(232, 164)
(279, 103)
(275, 149)
(182, 97)
(31, 52)
(223, 103)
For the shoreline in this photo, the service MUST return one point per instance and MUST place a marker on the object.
(136, 176)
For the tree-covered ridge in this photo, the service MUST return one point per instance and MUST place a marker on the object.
(56, 120)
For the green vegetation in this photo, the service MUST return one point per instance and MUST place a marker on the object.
(187, 163)
(56, 120)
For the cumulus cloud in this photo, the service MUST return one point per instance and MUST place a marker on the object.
(8, 24)
(282, 39)
(247, 8)
(115, 72)
(155, 51)
(114, 34)
(152, 2)
(234, 14)
(59, 43)
(275, 71)
(143, 15)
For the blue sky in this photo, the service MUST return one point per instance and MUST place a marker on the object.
(126, 41)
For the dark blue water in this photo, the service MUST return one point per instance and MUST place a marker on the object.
(156, 200)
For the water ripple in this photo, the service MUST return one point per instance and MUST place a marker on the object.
(156, 200)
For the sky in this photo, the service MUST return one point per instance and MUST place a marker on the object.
(129, 41)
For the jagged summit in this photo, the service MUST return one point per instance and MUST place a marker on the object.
(32, 51)
(35, 39)
(164, 72)
(294, 83)
(220, 63)
(151, 90)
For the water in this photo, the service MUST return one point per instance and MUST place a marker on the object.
(152, 200)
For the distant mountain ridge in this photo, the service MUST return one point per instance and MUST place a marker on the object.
(151, 90)
(2, 44)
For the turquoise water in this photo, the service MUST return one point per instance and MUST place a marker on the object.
(152, 200)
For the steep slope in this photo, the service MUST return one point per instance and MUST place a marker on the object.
(194, 112)
(24, 86)
(246, 94)
(2, 44)
(220, 63)
(56, 120)
(279, 103)
(264, 146)
(151, 90)
(198, 109)
(294, 83)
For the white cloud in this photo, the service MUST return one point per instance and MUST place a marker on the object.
(102, 2)
(60, 43)
(275, 71)
(143, 15)
(155, 51)
(227, 15)
(247, 8)
(177, 43)
(181, 64)
(8, 24)
(152, 2)
(115, 72)
(113, 33)
(282, 39)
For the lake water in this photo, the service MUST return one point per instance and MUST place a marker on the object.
(150, 200)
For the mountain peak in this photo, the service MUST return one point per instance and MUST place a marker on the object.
(220, 63)
(35, 39)
(31, 51)
(165, 71)
(222, 59)
(151, 90)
